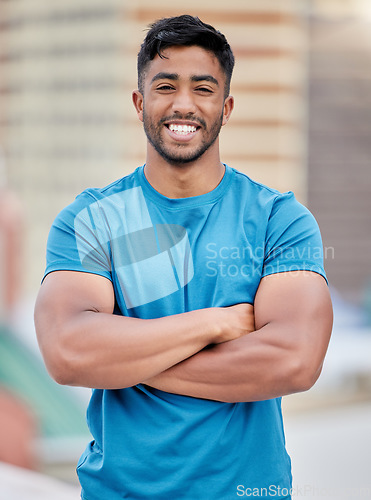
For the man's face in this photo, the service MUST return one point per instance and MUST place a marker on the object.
(183, 105)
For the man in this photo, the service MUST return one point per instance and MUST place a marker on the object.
(189, 297)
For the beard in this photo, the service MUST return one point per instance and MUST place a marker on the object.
(180, 154)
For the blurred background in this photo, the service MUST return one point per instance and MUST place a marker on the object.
(302, 122)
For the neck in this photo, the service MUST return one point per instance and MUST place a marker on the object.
(183, 180)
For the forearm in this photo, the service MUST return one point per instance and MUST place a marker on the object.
(101, 350)
(252, 368)
(84, 344)
(293, 319)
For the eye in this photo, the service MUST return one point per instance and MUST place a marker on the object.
(165, 88)
(204, 90)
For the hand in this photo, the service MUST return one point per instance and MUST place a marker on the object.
(234, 322)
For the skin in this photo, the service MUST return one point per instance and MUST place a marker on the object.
(276, 347)
(179, 99)
(284, 355)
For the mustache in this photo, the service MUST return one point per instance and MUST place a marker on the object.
(188, 116)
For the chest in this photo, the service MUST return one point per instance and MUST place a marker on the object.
(188, 260)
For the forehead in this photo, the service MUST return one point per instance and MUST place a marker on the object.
(186, 62)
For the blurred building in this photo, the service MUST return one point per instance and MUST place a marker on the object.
(339, 141)
(62, 74)
(11, 245)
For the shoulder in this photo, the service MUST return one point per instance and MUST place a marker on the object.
(272, 200)
(115, 188)
(95, 197)
(242, 180)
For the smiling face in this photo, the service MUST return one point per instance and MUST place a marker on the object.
(183, 105)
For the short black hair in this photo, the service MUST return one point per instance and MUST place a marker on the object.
(184, 30)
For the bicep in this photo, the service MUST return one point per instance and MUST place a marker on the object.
(66, 294)
(298, 307)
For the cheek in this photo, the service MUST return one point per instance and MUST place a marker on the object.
(152, 112)
(214, 110)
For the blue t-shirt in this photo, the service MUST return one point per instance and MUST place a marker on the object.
(168, 256)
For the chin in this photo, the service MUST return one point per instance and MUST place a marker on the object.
(181, 160)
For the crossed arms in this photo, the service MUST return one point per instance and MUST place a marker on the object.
(237, 353)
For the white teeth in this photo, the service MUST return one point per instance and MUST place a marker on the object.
(182, 129)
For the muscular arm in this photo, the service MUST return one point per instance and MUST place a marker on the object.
(84, 344)
(293, 318)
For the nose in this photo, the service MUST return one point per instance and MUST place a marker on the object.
(183, 102)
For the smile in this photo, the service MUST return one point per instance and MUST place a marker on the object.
(182, 129)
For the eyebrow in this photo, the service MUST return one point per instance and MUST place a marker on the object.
(205, 78)
(195, 78)
(165, 76)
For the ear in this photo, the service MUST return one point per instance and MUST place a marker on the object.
(228, 108)
(138, 103)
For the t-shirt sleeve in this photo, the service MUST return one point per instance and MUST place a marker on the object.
(79, 240)
(293, 240)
